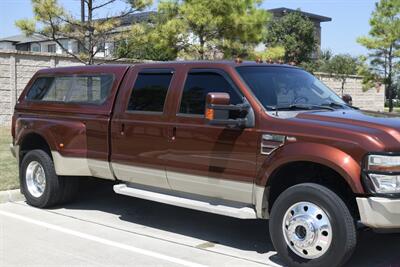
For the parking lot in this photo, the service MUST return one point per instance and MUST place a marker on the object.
(105, 229)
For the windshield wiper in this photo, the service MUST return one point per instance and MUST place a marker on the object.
(335, 104)
(299, 107)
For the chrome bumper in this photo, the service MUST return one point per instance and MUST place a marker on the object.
(379, 212)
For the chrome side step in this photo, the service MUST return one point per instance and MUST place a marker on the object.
(242, 212)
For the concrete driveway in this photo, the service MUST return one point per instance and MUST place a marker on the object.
(105, 229)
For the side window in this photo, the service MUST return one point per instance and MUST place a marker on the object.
(149, 92)
(198, 85)
(92, 89)
(58, 89)
(39, 88)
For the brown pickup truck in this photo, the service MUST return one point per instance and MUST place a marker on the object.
(247, 140)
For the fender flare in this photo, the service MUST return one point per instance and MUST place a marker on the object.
(51, 131)
(337, 160)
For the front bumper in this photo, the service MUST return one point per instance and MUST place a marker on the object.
(14, 150)
(379, 212)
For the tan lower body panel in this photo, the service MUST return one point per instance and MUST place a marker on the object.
(74, 166)
(211, 187)
(242, 192)
(140, 175)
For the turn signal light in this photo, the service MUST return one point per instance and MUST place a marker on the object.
(209, 114)
(384, 163)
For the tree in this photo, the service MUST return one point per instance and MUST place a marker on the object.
(203, 29)
(341, 67)
(90, 34)
(295, 33)
(318, 64)
(142, 43)
(383, 41)
(271, 54)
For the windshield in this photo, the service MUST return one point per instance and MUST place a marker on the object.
(288, 88)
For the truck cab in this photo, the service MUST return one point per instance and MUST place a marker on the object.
(242, 139)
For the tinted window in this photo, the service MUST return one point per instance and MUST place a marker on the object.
(92, 89)
(198, 85)
(281, 86)
(150, 91)
(58, 90)
(40, 88)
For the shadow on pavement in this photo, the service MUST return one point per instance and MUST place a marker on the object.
(251, 235)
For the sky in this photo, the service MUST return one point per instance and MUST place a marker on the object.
(349, 18)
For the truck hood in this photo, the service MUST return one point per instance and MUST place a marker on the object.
(382, 127)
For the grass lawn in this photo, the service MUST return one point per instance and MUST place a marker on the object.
(8, 164)
(395, 109)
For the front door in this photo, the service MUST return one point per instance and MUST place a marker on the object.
(139, 129)
(212, 161)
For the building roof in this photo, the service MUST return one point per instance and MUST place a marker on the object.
(137, 17)
(147, 16)
(282, 10)
(22, 38)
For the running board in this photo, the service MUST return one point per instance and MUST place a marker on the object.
(242, 212)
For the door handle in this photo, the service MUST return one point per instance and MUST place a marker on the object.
(122, 129)
(173, 134)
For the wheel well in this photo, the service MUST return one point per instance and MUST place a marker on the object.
(33, 141)
(310, 172)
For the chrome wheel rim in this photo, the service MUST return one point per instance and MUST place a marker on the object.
(35, 178)
(307, 230)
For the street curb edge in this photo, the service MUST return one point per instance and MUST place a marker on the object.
(11, 196)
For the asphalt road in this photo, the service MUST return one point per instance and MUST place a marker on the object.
(105, 229)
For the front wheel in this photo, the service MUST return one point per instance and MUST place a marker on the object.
(311, 226)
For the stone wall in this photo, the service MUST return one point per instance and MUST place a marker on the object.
(372, 99)
(17, 67)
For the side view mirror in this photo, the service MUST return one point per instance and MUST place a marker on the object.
(219, 111)
(348, 99)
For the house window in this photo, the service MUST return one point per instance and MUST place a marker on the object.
(101, 47)
(65, 45)
(35, 47)
(51, 48)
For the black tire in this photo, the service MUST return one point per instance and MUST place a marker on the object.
(70, 188)
(344, 235)
(57, 189)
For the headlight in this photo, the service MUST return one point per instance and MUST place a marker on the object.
(389, 184)
(384, 173)
(383, 163)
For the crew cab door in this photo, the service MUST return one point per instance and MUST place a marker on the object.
(139, 133)
(212, 161)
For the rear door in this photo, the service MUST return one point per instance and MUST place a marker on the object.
(139, 129)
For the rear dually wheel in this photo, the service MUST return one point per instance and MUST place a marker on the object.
(41, 185)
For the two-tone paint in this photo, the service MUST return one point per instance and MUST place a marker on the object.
(182, 153)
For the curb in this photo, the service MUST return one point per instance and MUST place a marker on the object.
(11, 196)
